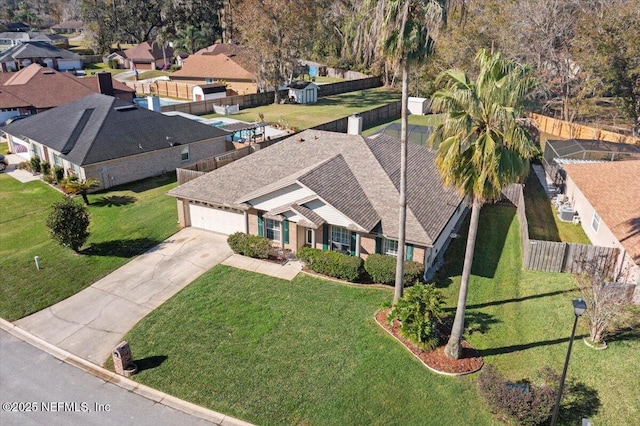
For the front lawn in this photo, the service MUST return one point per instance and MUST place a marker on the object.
(325, 110)
(308, 351)
(124, 222)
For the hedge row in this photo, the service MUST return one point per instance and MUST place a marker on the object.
(249, 245)
(331, 263)
(382, 269)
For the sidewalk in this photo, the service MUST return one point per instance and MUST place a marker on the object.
(21, 175)
(288, 271)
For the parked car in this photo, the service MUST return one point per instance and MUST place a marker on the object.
(3, 162)
(14, 118)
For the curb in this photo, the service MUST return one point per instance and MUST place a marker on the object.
(127, 384)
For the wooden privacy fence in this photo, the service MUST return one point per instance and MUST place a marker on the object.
(369, 118)
(200, 168)
(551, 256)
(567, 130)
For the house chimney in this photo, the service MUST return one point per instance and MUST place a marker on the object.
(153, 103)
(354, 125)
(105, 84)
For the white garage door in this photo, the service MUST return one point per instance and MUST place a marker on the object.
(223, 221)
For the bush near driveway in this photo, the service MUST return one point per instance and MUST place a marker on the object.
(249, 245)
(119, 230)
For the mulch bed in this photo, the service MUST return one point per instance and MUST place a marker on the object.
(470, 362)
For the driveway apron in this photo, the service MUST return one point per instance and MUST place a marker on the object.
(91, 323)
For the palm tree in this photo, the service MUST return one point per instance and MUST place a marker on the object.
(405, 31)
(190, 39)
(81, 187)
(482, 145)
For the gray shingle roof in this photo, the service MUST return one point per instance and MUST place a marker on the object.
(314, 220)
(99, 128)
(334, 182)
(36, 49)
(428, 199)
(343, 161)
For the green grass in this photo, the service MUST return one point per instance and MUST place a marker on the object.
(418, 120)
(124, 222)
(542, 218)
(325, 110)
(308, 352)
(100, 67)
(4, 146)
(149, 74)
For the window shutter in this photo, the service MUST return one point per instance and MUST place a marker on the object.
(353, 244)
(378, 245)
(285, 231)
(409, 252)
(325, 236)
(260, 225)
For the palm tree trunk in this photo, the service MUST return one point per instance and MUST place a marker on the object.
(453, 349)
(402, 219)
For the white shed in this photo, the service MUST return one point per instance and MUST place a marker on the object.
(303, 92)
(419, 106)
(205, 92)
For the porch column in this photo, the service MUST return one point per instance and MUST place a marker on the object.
(281, 235)
(358, 237)
(246, 222)
(313, 238)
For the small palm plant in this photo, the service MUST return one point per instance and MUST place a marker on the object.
(419, 311)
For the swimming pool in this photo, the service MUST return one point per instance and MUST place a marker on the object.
(142, 102)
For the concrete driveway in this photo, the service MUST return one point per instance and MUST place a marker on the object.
(91, 323)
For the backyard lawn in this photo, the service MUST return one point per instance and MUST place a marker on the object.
(100, 67)
(308, 351)
(543, 220)
(325, 110)
(124, 222)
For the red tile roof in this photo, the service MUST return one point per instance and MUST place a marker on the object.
(613, 189)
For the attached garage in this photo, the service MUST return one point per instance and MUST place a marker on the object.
(224, 221)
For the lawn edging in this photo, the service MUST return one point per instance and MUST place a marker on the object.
(121, 381)
(443, 373)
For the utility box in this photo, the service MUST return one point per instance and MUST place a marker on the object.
(122, 358)
(419, 106)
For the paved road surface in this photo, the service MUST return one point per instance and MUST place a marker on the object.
(28, 375)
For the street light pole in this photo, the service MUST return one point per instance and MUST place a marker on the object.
(579, 306)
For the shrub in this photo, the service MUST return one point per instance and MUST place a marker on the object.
(382, 269)
(174, 67)
(419, 311)
(45, 167)
(35, 164)
(524, 403)
(25, 165)
(332, 263)
(58, 171)
(68, 224)
(249, 245)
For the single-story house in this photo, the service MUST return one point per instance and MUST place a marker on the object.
(68, 27)
(148, 56)
(303, 92)
(119, 57)
(12, 38)
(39, 52)
(113, 141)
(207, 69)
(205, 92)
(607, 198)
(18, 27)
(35, 89)
(330, 191)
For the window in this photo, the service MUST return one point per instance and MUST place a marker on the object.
(390, 247)
(340, 239)
(208, 80)
(184, 153)
(273, 229)
(57, 161)
(595, 223)
(76, 169)
(308, 239)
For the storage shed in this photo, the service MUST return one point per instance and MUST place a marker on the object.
(418, 106)
(303, 92)
(206, 92)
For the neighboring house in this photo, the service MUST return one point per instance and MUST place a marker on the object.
(12, 38)
(607, 198)
(330, 191)
(35, 89)
(303, 92)
(148, 56)
(18, 27)
(68, 27)
(119, 57)
(40, 52)
(113, 141)
(206, 69)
